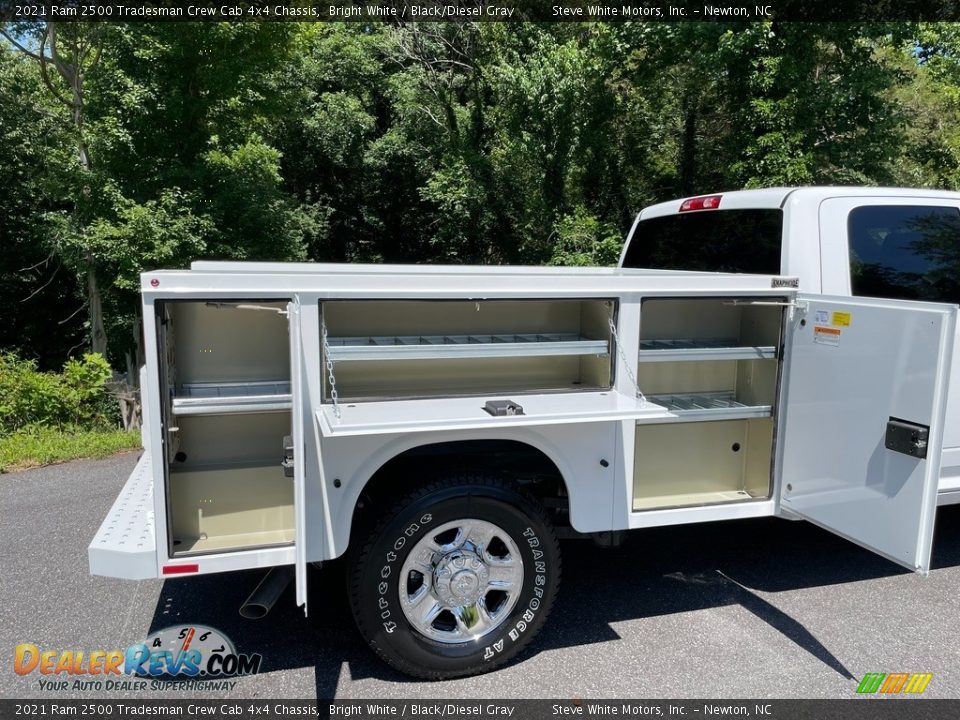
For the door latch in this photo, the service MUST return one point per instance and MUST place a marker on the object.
(907, 437)
(287, 462)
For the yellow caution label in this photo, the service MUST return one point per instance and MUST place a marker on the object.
(841, 319)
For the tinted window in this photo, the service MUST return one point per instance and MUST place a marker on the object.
(905, 252)
(745, 241)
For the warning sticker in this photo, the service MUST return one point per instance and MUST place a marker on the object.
(841, 319)
(823, 316)
(826, 335)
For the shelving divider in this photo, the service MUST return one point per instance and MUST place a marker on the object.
(709, 406)
(225, 398)
(694, 350)
(429, 347)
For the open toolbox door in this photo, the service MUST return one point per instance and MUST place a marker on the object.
(861, 421)
(296, 436)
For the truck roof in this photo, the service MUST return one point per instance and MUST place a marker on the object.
(777, 197)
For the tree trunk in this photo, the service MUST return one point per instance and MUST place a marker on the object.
(72, 73)
(98, 336)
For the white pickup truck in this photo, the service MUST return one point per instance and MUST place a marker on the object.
(873, 242)
(439, 426)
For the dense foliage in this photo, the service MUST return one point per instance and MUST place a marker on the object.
(460, 143)
(75, 397)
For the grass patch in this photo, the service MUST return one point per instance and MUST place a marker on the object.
(36, 446)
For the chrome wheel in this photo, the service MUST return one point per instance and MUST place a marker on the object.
(461, 582)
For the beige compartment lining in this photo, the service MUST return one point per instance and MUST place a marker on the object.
(374, 379)
(230, 508)
(687, 464)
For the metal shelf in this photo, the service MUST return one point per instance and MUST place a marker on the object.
(709, 406)
(228, 398)
(428, 347)
(702, 349)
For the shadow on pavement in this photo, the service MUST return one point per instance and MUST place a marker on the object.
(655, 572)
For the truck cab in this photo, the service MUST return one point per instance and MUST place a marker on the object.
(891, 243)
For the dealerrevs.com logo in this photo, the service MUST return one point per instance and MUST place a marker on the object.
(178, 657)
(894, 683)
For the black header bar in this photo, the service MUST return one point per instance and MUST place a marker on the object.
(864, 708)
(401, 11)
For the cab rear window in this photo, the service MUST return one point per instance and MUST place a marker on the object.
(745, 241)
(905, 252)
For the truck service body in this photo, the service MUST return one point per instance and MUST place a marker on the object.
(438, 425)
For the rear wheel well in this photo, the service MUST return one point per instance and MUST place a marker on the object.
(517, 462)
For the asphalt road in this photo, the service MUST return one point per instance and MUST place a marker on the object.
(756, 608)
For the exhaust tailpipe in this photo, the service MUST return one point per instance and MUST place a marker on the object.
(266, 593)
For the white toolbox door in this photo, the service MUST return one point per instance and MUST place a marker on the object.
(852, 365)
(296, 437)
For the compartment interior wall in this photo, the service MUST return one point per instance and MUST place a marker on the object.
(595, 371)
(463, 376)
(684, 464)
(220, 343)
(458, 317)
(416, 378)
(230, 508)
(687, 376)
(230, 491)
(242, 439)
(754, 382)
(760, 324)
(710, 318)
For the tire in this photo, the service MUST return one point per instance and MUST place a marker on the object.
(456, 579)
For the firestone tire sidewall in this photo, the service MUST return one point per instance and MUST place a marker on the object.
(383, 622)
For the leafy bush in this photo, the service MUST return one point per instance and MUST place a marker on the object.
(581, 239)
(77, 397)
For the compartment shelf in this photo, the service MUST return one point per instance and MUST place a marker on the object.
(427, 347)
(224, 398)
(702, 349)
(691, 499)
(709, 406)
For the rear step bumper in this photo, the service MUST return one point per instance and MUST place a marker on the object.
(125, 545)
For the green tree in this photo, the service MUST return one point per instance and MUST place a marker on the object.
(66, 55)
(39, 297)
(930, 104)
